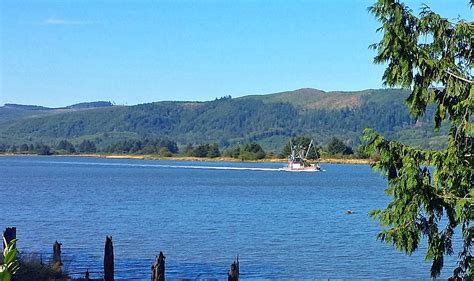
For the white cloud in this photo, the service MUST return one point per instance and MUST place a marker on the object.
(59, 21)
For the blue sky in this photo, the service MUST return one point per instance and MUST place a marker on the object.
(56, 53)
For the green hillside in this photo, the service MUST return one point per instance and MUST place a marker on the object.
(13, 112)
(267, 119)
(308, 98)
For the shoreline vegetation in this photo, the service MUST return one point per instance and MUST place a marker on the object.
(336, 151)
(343, 160)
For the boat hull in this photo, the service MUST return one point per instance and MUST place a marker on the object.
(307, 169)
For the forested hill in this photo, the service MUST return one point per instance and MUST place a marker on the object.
(267, 119)
(11, 112)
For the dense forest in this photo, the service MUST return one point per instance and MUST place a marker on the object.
(166, 148)
(269, 120)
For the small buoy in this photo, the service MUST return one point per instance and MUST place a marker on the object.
(349, 212)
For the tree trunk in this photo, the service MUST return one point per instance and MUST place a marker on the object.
(109, 260)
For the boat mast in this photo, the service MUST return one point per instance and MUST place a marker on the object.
(292, 156)
(307, 151)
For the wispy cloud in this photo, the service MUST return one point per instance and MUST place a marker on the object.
(61, 21)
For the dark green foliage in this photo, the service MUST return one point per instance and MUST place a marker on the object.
(11, 112)
(206, 150)
(251, 149)
(431, 190)
(233, 152)
(38, 148)
(42, 149)
(66, 146)
(165, 152)
(87, 105)
(24, 148)
(269, 120)
(87, 146)
(363, 152)
(12, 149)
(336, 146)
(25, 107)
(213, 151)
(200, 150)
(146, 146)
(188, 150)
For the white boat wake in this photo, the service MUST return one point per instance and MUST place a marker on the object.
(163, 166)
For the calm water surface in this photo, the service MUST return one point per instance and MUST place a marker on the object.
(282, 225)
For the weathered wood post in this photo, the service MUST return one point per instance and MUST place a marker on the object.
(158, 268)
(9, 234)
(57, 263)
(109, 260)
(233, 274)
(86, 277)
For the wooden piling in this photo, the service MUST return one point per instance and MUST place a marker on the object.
(158, 268)
(109, 260)
(57, 262)
(9, 234)
(233, 274)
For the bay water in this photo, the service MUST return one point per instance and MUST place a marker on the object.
(282, 225)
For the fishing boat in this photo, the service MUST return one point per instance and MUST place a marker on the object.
(297, 160)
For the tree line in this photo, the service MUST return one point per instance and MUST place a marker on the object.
(168, 148)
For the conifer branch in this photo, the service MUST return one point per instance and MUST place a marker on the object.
(459, 77)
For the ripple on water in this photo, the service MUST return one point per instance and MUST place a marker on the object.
(282, 225)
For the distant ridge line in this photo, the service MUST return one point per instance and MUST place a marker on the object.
(98, 104)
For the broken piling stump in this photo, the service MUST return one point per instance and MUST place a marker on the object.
(158, 268)
(9, 234)
(109, 260)
(57, 263)
(233, 274)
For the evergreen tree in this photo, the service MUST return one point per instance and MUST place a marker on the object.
(87, 146)
(252, 151)
(66, 146)
(233, 152)
(13, 149)
(431, 190)
(24, 148)
(213, 151)
(188, 150)
(201, 150)
(336, 146)
(165, 152)
(42, 149)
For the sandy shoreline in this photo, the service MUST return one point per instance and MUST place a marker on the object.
(186, 158)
